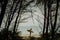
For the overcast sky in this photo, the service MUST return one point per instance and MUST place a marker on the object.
(32, 22)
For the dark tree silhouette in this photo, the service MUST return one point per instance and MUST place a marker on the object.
(44, 18)
(55, 21)
(14, 30)
(10, 18)
(3, 9)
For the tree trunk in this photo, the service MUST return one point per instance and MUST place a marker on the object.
(44, 18)
(55, 21)
(3, 9)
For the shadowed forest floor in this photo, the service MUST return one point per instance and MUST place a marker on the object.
(3, 36)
